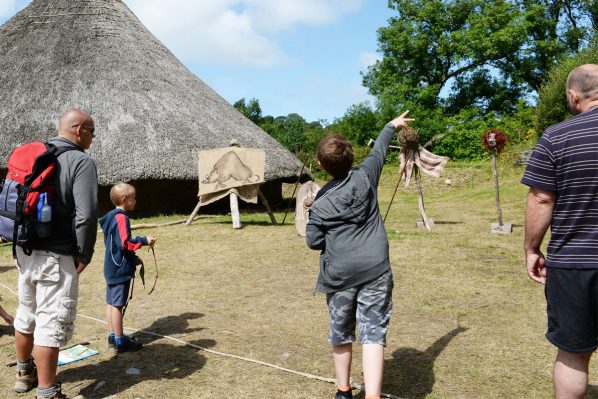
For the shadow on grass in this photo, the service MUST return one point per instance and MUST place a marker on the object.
(6, 329)
(5, 268)
(592, 392)
(169, 325)
(249, 223)
(446, 222)
(157, 361)
(410, 372)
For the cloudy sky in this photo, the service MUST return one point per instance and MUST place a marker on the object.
(302, 56)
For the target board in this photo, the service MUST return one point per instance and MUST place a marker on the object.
(307, 190)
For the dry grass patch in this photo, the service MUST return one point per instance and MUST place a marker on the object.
(467, 322)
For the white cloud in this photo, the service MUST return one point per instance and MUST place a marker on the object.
(367, 59)
(234, 32)
(275, 15)
(8, 8)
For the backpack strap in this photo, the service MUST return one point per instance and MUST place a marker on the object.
(45, 159)
(41, 163)
(15, 232)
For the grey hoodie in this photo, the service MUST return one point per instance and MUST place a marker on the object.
(345, 224)
(75, 208)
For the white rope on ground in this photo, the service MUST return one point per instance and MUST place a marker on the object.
(245, 359)
(11, 291)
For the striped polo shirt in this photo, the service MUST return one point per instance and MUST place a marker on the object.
(565, 161)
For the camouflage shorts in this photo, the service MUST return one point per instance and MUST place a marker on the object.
(368, 305)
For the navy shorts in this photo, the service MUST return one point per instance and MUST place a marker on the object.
(369, 305)
(116, 294)
(572, 308)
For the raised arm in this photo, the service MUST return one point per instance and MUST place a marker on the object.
(375, 160)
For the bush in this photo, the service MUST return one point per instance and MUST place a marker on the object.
(552, 103)
(464, 138)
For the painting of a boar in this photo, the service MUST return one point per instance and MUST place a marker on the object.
(230, 166)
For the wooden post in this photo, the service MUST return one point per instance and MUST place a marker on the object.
(420, 199)
(267, 206)
(234, 211)
(495, 174)
(401, 171)
(194, 213)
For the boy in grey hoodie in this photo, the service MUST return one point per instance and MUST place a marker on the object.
(346, 226)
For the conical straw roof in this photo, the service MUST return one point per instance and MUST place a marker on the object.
(152, 114)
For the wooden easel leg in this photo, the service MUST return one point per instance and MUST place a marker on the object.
(234, 211)
(267, 206)
(194, 213)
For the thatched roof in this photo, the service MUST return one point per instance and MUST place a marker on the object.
(152, 114)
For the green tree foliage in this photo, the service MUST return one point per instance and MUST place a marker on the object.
(302, 137)
(251, 110)
(464, 138)
(359, 124)
(552, 104)
(452, 61)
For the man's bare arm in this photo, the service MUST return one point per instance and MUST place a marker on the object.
(538, 216)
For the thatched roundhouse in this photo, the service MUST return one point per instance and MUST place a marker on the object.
(152, 114)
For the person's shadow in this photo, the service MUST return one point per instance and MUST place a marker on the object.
(592, 392)
(153, 362)
(5, 268)
(410, 372)
(6, 329)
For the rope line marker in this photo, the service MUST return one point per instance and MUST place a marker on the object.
(229, 355)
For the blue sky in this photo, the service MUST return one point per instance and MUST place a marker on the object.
(302, 56)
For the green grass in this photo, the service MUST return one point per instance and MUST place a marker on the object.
(467, 321)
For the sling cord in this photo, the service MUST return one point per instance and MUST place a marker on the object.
(245, 359)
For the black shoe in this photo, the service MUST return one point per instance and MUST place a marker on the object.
(344, 395)
(128, 345)
(111, 341)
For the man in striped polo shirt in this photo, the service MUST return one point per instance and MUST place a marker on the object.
(563, 178)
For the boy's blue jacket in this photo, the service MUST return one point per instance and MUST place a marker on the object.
(120, 259)
(346, 226)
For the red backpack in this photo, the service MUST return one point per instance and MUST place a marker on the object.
(27, 194)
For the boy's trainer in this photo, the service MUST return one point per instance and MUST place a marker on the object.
(127, 345)
(344, 394)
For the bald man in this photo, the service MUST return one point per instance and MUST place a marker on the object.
(563, 178)
(49, 277)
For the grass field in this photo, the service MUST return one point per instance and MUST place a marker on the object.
(467, 321)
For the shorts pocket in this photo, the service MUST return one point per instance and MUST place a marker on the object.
(49, 272)
(67, 312)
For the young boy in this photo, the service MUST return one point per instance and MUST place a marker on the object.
(345, 224)
(120, 262)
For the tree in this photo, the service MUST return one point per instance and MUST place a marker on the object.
(251, 110)
(294, 132)
(444, 57)
(287, 130)
(358, 124)
(552, 104)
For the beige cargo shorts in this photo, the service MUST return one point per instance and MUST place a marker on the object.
(48, 293)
